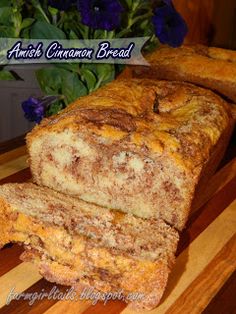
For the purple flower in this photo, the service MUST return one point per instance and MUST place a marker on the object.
(35, 108)
(62, 5)
(169, 25)
(100, 14)
(168, 2)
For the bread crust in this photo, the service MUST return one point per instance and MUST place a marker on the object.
(74, 260)
(211, 166)
(209, 67)
(5, 226)
(174, 125)
(55, 272)
(135, 237)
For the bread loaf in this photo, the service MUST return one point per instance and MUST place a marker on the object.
(138, 146)
(210, 67)
(75, 243)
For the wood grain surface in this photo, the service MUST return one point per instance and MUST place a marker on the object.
(199, 17)
(210, 22)
(204, 269)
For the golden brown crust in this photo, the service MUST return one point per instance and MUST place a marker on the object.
(133, 236)
(211, 166)
(174, 125)
(5, 211)
(124, 108)
(62, 274)
(213, 68)
(222, 54)
(74, 260)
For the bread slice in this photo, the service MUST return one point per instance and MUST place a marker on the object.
(76, 243)
(139, 146)
(213, 68)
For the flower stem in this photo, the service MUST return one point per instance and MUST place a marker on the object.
(111, 34)
(48, 100)
(135, 5)
(123, 32)
(132, 20)
(54, 19)
(86, 32)
(40, 9)
(142, 17)
(99, 82)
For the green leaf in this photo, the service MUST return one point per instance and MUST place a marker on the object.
(89, 77)
(50, 80)
(58, 81)
(105, 72)
(25, 33)
(129, 3)
(52, 11)
(26, 23)
(74, 67)
(99, 34)
(43, 30)
(39, 16)
(73, 35)
(6, 14)
(73, 87)
(54, 108)
(144, 24)
(151, 46)
(6, 31)
(17, 19)
(6, 76)
(4, 3)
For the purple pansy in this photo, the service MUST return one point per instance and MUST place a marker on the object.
(35, 108)
(62, 5)
(100, 14)
(169, 25)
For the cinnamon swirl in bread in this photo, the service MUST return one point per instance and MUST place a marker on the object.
(76, 243)
(138, 146)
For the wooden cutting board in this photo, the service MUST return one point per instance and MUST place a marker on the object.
(203, 279)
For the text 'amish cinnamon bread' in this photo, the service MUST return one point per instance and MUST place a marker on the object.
(139, 146)
(79, 244)
(213, 68)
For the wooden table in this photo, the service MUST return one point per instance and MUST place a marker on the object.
(203, 279)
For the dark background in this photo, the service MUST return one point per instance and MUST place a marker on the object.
(211, 22)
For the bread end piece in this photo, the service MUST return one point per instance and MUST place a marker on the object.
(72, 259)
(209, 67)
